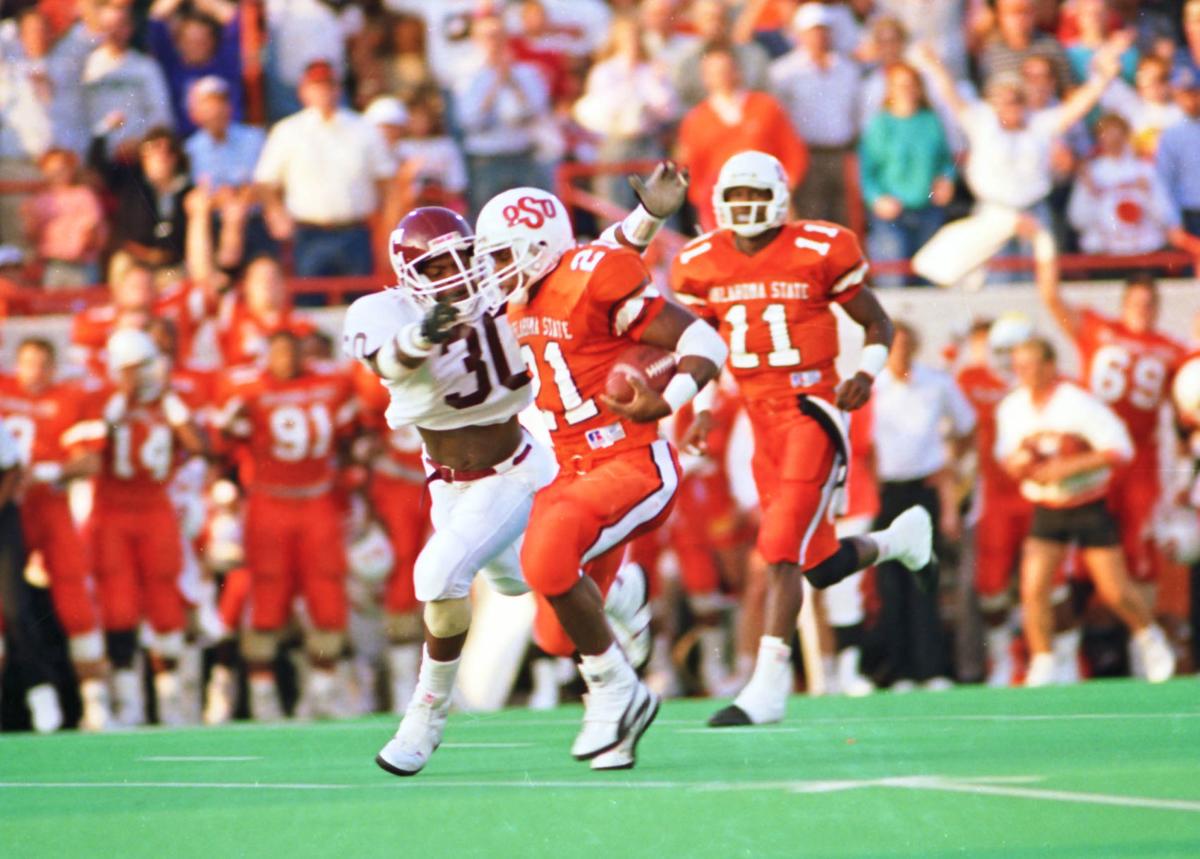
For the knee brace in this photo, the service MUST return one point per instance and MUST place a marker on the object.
(402, 628)
(324, 644)
(448, 618)
(122, 647)
(259, 646)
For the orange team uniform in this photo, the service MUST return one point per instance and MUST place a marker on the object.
(1132, 374)
(617, 479)
(707, 140)
(242, 336)
(773, 310)
(183, 304)
(136, 543)
(294, 531)
(862, 484)
(37, 422)
(396, 489)
(1004, 516)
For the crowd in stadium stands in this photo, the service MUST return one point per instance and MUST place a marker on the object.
(195, 154)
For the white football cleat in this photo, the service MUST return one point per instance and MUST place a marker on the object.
(221, 695)
(629, 613)
(610, 712)
(624, 754)
(131, 704)
(419, 734)
(168, 692)
(1157, 655)
(1043, 670)
(264, 699)
(97, 715)
(850, 680)
(912, 533)
(546, 691)
(44, 708)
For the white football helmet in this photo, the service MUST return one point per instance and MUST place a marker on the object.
(751, 169)
(132, 347)
(1185, 391)
(534, 226)
(1009, 331)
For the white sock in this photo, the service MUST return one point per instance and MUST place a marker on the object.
(999, 640)
(884, 545)
(264, 701)
(766, 694)
(1066, 655)
(435, 681)
(609, 666)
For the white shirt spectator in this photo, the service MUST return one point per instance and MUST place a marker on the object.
(1069, 411)
(26, 129)
(131, 83)
(874, 89)
(436, 159)
(1009, 168)
(625, 101)
(327, 169)
(1146, 119)
(910, 417)
(225, 163)
(303, 31)
(451, 54)
(507, 127)
(822, 103)
(1120, 206)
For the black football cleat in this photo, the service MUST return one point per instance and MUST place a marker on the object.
(732, 716)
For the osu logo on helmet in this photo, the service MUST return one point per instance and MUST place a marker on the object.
(531, 212)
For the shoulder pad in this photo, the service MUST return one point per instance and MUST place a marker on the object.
(373, 320)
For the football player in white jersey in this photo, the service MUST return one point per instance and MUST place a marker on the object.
(442, 346)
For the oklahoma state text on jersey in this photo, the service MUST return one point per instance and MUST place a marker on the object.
(579, 320)
(773, 307)
(290, 427)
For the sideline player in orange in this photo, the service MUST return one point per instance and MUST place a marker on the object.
(396, 490)
(1128, 364)
(769, 284)
(131, 437)
(292, 417)
(1003, 517)
(575, 310)
(37, 411)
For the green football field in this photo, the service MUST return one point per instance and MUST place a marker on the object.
(1108, 769)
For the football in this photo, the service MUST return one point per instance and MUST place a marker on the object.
(652, 365)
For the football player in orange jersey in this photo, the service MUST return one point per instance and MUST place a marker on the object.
(769, 285)
(1002, 517)
(130, 439)
(396, 490)
(575, 310)
(246, 318)
(1128, 364)
(37, 411)
(291, 419)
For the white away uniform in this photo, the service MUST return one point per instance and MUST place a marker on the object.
(474, 380)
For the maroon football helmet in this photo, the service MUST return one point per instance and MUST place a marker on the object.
(432, 252)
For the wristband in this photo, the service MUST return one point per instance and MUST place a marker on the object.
(680, 390)
(874, 358)
(412, 342)
(46, 472)
(1044, 249)
(640, 227)
(175, 411)
(706, 398)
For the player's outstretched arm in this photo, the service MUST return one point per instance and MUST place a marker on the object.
(865, 309)
(659, 197)
(700, 353)
(1047, 275)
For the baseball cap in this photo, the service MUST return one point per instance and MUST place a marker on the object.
(812, 15)
(319, 72)
(209, 85)
(1185, 78)
(386, 110)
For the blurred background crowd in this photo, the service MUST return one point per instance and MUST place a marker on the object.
(196, 168)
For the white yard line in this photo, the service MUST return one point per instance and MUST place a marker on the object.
(170, 759)
(963, 786)
(487, 745)
(154, 785)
